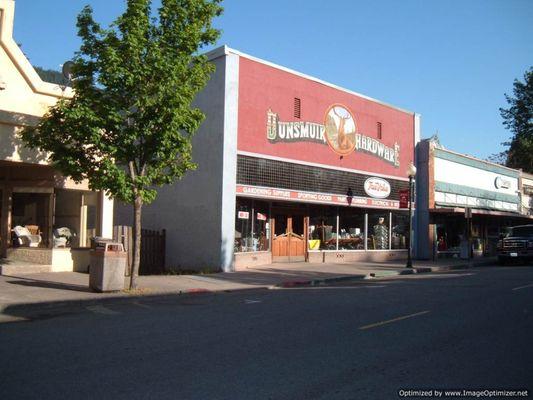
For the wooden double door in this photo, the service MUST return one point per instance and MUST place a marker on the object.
(289, 236)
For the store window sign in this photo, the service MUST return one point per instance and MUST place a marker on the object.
(339, 132)
(261, 217)
(502, 183)
(244, 215)
(377, 188)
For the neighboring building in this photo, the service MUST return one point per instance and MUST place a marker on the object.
(290, 168)
(526, 185)
(449, 184)
(34, 198)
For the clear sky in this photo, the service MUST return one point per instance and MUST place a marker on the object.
(449, 60)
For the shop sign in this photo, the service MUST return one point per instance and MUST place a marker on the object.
(502, 183)
(377, 187)
(243, 215)
(339, 132)
(404, 198)
(261, 217)
(310, 197)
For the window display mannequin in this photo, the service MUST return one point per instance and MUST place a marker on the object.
(381, 235)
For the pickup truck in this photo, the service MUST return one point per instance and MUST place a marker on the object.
(516, 245)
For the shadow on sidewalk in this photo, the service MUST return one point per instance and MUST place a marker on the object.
(47, 284)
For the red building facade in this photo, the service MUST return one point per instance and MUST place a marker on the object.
(319, 170)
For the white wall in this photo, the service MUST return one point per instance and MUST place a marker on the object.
(459, 174)
(198, 211)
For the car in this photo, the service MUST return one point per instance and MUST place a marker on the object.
(516, 245)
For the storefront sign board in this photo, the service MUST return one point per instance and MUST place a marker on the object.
(377, 187)
(404, 198)
(319, 198)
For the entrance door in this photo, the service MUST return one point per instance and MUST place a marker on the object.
(288, 242)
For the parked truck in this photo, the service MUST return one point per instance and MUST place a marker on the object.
(516, 245)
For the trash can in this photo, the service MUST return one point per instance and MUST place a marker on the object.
(107, 267)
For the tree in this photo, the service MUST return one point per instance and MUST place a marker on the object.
(51, 76)
(128, 127)
(518, 118)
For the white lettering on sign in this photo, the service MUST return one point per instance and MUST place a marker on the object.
(296, 131)
(305, 131)
(321, 198)
(377, 187)
(375, 147)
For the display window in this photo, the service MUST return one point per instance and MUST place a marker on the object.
(322, 228)
(400, 230)
(252, 226)
(351, 229)
(379, 230)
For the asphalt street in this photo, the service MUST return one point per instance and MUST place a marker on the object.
(468, 329)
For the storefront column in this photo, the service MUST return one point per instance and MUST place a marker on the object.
(5, 221)
(337, 239)
(390, 230)
(105, 212)
(50, 220)
(366, 231)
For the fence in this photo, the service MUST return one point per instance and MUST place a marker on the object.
(152, 249)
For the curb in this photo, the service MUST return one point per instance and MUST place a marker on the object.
(380, 274)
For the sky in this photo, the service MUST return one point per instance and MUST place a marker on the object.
(449, 60)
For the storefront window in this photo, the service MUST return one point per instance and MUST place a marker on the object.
(400, 230)
(76, 218)
(378, 230)
(261, 231)
(252, 227)
(30, 219)
(351, 229)
(322, 228)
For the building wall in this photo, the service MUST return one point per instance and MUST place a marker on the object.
(198, 211)
(424, 242)
(24, 99)
(527, 194)
(464, 181)
(264, 87)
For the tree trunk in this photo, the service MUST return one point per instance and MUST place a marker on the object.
(137, 209)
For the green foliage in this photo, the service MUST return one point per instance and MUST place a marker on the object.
(129, 125)
(51, 76)
(518, 118)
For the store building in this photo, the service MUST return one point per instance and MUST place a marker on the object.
(526, 192)
(45, 218)
(290, 168)
(455, 191)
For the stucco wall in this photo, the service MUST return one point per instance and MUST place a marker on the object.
(198, 211)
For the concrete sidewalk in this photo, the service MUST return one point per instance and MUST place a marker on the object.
(60, 287)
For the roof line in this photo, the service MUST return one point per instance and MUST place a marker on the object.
(224, 50)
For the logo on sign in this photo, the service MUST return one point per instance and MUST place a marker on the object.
(502, 183)
(377, 187)
(339, 132)
(244, 215)
(340, 129)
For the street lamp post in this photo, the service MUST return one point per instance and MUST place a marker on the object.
(411, 173)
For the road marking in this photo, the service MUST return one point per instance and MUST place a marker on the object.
(333, 287)
(392, 320)
(523, 287)
(251, 301)
(141, 305)
(101, 310)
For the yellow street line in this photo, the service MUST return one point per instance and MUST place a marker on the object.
(523, 287)
(392, 320)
